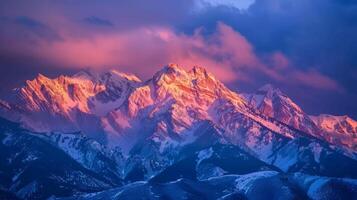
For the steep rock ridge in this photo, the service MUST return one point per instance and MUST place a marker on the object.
(72, 103)
(89, 153)
(337, 130)
(338, 124)
(180, 131)
(274, 103)
(31, 168)
(174, 99)
(150, 120)
(85, 91)
(340, 130)
(165, 111)
(113, 106)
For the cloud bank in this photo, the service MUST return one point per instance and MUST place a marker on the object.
(305, 47)
(226, 53)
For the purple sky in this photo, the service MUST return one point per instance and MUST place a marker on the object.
(306, 48)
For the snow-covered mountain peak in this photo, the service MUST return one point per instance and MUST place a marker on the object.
(174, 100)
(268, 97)
(338, 129)
(171, 69)
(98, 77)
(79, 90)
(171, 73)
(84, 74)
(201, 72)
(174, 73)
(65, 101)
(272, 102)
(129, 77)
(340, 124)
(172, 103)
(195, 89)
(267, 87)
(269, 90)
(42, 77)
(61, 93)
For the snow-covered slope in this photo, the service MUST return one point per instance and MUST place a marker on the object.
(274, 103)
(256, 185)
(86, 91)
(170, 103)
(339, 129)
(73, 103)
(166, 111)
(32, 168)
(89, 153)
(180, 123)
(164, 114)
(337, 124)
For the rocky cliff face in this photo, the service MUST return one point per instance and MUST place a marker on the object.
(274, 103)
(337, 130)
(341, 130)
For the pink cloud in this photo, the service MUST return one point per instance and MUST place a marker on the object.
(280, 62)
(225, 53)
(145, 50)
(316, 80)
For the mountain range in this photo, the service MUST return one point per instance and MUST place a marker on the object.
(182, 134)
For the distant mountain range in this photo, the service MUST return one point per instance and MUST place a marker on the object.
(179, 135)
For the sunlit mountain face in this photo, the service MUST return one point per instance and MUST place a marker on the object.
(181, 131)
(258, 100)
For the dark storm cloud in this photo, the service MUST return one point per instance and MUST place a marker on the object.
(312, 33)
(28, 22)
(98, 21)
(318, 35)
(124, 14)
(38, 28)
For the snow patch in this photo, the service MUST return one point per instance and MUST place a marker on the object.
(244, 182)
(204, 154)
(26, 191)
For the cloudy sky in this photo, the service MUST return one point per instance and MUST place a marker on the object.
(306, 48)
